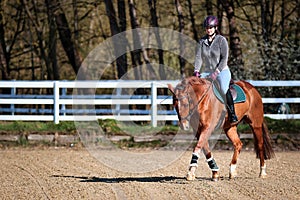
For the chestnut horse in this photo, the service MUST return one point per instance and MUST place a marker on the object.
(198, 107)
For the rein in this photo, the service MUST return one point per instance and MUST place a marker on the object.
(191, 111)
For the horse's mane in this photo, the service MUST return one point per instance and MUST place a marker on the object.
(192, 81)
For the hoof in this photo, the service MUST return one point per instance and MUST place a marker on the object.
(190, 176)
(232, 175)
(215, 176)
(263, 176)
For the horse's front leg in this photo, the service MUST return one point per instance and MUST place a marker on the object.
(193, 166)
(211, 162)
(209, 159)
(202, 144)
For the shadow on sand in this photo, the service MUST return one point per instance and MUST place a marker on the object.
(162, 179)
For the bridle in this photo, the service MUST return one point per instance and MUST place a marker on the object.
(191, 111)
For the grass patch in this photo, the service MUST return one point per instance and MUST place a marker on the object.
(291, 126)
(127, 144)
(283, 126)
(112, 127)
(20, 126)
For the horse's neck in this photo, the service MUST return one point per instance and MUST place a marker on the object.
(201, 90)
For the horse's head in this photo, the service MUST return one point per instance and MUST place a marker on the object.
(185, 102)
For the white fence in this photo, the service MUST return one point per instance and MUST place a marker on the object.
(84, 107)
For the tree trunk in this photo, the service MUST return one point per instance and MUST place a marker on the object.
(236, 57)
(138, 44)
(209, 7)
(181, 43)
(123, 40)
(32, 13)
(6, 48)
(193, 21)
(118, 44)
(266, 26)
(4, 57)
(154, 23)
(66, 38)
(297, 31)
(53, 71)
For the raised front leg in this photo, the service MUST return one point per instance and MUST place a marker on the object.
(234, 138)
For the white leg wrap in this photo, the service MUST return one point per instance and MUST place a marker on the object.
(210, 159)
(212, 164)
(232, 168)
(232, 171)
(193, 165)
(263, 172)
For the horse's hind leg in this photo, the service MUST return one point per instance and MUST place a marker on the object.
(234, 138)
(259, 148)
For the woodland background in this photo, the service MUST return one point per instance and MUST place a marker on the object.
(49, 39)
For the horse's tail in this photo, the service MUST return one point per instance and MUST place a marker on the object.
(268, 150)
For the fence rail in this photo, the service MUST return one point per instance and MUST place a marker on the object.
(61, 105)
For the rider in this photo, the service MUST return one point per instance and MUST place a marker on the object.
(213, 54)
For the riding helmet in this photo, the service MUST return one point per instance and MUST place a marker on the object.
(210, 21)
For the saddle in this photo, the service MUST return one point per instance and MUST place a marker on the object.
(237, 93)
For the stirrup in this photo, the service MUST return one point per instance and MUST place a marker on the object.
(233, 120)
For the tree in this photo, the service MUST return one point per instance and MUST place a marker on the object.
(181, 43)
(9, 33)
(122, 24)
(48, 39)
(195, 34)
(65, 36)
(4, 55)
(154, 23)
(139, 46)
(53, 72)
(118, 44)
(235, 57)
(276, 53)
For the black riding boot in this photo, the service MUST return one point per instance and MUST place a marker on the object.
(230, 108)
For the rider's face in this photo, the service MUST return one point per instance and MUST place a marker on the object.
(210, 30)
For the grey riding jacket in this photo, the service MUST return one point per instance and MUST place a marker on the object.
(213, 56)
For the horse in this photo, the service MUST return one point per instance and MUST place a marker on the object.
(198, 107)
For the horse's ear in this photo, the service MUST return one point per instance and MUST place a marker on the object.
(171, 88)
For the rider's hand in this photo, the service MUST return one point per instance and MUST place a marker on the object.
(196, 73)
(214, 75)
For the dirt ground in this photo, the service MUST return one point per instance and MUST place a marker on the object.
(72, 173)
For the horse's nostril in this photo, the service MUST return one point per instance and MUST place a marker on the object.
(186, 126)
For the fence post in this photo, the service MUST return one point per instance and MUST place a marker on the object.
(154, 104)
(63, 106)
(13, 93)
(118, 106)
(56, 102)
